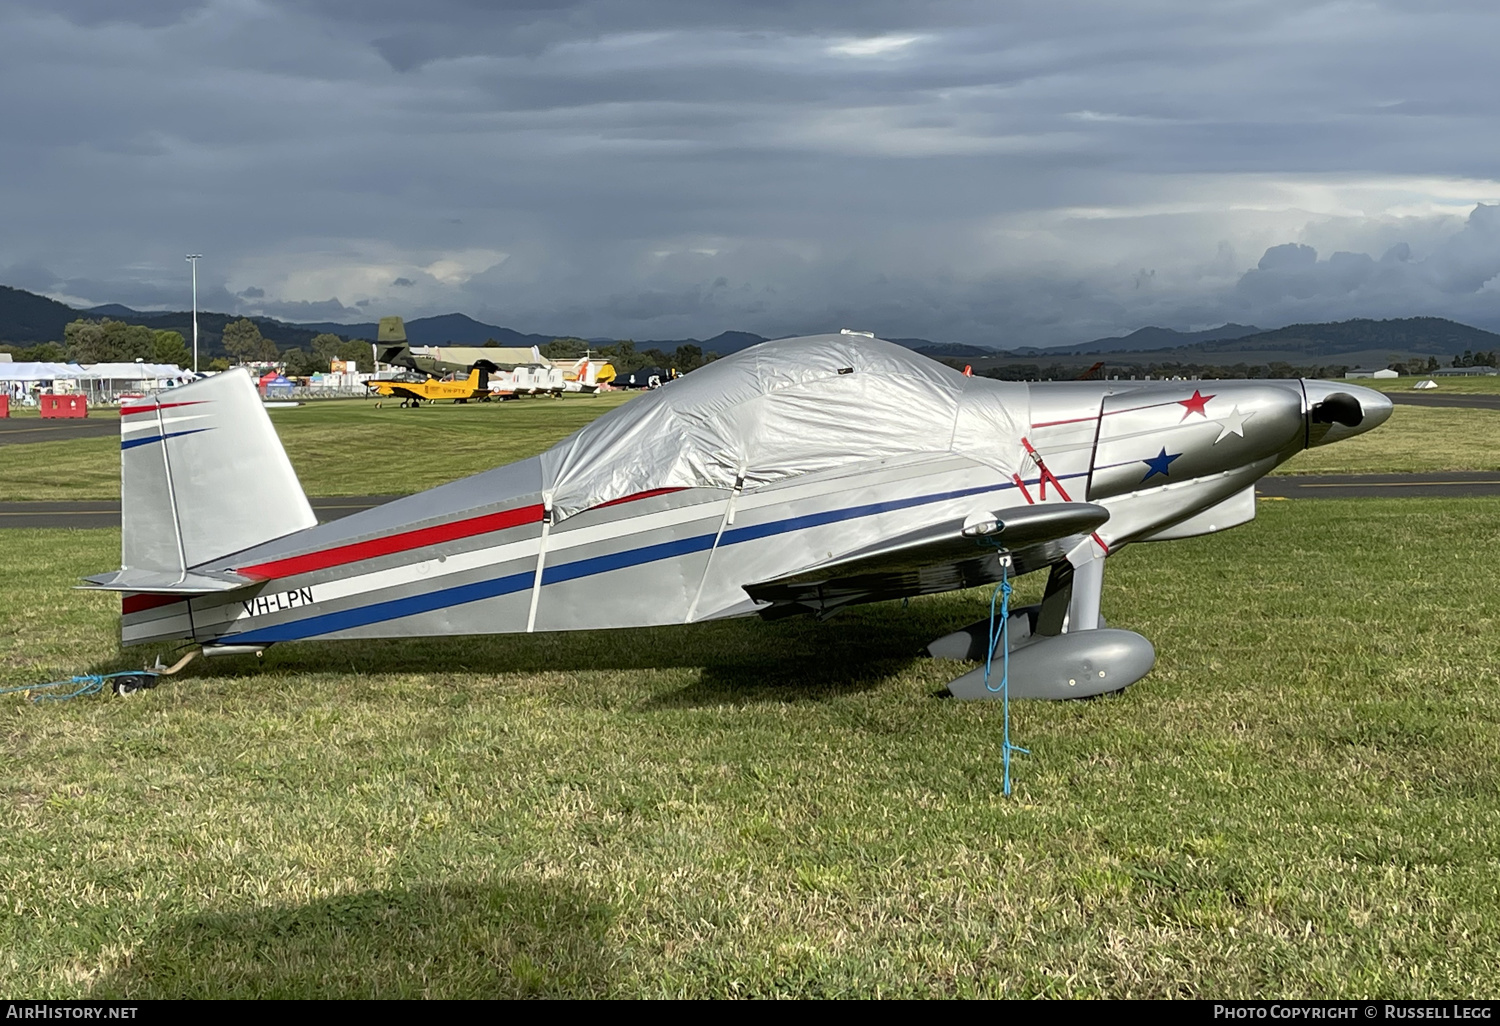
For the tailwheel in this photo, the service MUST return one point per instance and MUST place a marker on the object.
(127, 684)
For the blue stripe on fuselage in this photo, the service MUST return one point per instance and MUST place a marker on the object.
(328, 623)
(347, 619)
(132, 443)
(755, 531)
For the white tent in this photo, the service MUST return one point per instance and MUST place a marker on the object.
(105, 382)
(41, 371)
(144, 372)
(102, 381)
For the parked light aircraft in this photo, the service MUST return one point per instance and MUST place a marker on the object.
(799, 476)
(534, 379)
(414, 393)
(586, 374)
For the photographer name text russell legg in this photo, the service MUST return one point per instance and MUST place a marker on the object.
(1436, 1012)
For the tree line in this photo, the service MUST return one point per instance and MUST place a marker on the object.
(1473, 359)
(625, 357)
(244, 343)
(110, 341)
(1166, 369)
(1210, 371)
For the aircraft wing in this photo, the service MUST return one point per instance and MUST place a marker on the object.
(400, 356)
(957, 553)
(397, 391)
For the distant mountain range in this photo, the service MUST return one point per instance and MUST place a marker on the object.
(1435, 336)
(27, 318)
(1319, 349)
(1143, 339)
(1432, 335)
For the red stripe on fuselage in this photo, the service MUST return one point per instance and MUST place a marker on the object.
(1075, 420)
(637, 495)
(131, 410)
(141, 603)
(402, 542)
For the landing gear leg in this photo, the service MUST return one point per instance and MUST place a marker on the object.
(1088, 584)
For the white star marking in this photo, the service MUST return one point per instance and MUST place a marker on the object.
(1232, 423)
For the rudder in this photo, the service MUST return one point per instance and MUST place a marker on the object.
(202, 475)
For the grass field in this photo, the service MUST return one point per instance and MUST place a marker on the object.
(352, 448)
(1479, 384)
(1302, 799)
(1416, 439)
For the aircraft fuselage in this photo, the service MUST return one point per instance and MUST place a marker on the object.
(489, 554)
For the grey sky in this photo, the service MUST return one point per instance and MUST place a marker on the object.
(1026, 173)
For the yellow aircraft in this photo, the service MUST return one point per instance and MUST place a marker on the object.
(460, 390)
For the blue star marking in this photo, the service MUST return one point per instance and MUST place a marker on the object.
(1159, 464)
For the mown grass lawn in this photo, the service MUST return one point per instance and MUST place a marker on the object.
(1478, 384)
(1417, 439)
(1302, 798)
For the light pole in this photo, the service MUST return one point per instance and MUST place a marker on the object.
(193, 259)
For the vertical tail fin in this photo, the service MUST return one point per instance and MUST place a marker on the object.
(484, 368)
(203, 475)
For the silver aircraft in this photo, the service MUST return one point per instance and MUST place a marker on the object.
(799, 476)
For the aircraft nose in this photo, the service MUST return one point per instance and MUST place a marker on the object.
(1337, 410)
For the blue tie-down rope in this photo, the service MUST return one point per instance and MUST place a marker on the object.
(85, 684)
(1000, 634)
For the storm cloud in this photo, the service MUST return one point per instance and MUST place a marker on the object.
(1455, 277)
(1026, 174)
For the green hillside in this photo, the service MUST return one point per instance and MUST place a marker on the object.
(1436, 336)
(26, 318)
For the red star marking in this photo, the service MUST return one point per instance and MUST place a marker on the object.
(1195, 405)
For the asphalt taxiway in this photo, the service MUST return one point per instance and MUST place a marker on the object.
(20, 430)
(1449, 401)
(1451, 484)
(106, 513)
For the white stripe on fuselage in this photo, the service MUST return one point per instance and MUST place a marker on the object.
(139, 423)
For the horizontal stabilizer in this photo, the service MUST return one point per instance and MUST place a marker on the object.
(169, 583)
